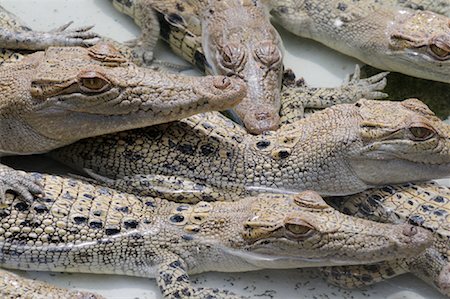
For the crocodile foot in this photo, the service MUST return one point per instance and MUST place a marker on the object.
(142, 54)
(81, 36)
(369, 88)
(20, 182)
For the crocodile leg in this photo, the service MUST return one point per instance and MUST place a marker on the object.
(15, 35)
(295, 99)
(14, 286)
(147, 20)
(357, 276)
(19, 182)
(174, 282)
(34, 40)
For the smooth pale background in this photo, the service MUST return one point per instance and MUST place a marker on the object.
(320, 66)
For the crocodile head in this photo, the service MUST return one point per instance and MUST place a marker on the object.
(240, 42)
(420, 40)
(399, 142)
(302, 230)
(78, 92)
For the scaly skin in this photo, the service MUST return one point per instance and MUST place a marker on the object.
(413, 42)
(438, 6)
(239, 41)
(53, 98)
(425, 205)
(258, 47)
(80, 227)
(340, 150)
(14, 35)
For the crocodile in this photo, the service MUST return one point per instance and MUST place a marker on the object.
(379, 33)
(425, 205)
(16, 38)
(81, 227)
(255, 54)
(340, 150)
(55, 97)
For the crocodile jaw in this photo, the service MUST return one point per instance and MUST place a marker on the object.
(375, 172)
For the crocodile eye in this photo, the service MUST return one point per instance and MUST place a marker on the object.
(93, 82)
(421, 133)
(298, 229)
(268, 53)
(438, 51)
(232, 57)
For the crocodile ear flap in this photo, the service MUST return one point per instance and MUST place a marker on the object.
(310, 199)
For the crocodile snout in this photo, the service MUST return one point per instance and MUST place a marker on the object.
(415, 238)
(261, 121)
(222, 91)
(410, 231)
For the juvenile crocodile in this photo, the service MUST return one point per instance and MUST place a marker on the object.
(426, 205)
(379, 33)
(240, 42)
(341, 150)
(53, 98)
(79, 227)
(14, 35)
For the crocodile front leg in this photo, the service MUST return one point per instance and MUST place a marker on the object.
(174, 282)
(296, 97)
(147, 20)
(14, 286)
(35, 40)
(19, 182)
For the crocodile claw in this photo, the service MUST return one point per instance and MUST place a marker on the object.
(81, 36)
(369, 88)
(20, 182)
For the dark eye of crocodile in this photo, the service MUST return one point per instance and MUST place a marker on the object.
(93, 82)
(232, 57)
(439, 52)
(421, 133)
(268, 53)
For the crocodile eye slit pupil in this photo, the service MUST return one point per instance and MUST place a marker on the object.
(421, 133)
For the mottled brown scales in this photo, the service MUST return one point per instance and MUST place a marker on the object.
(340, 150)
(425, 205)
(81, 227)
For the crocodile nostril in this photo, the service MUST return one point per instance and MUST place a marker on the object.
(262, 115)
(410, 231)
(222, 83)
